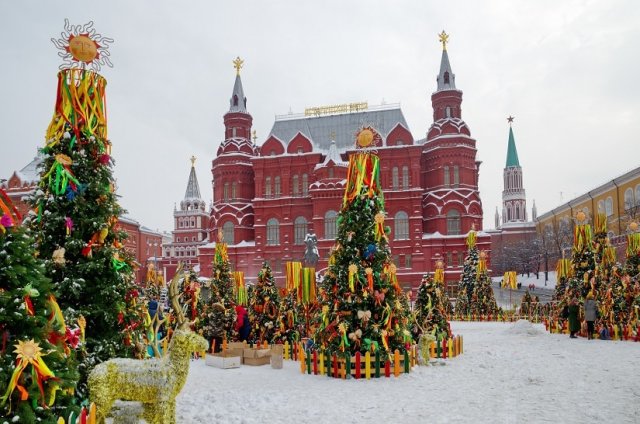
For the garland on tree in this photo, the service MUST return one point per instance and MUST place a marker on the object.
(37, 350)
(359, 307)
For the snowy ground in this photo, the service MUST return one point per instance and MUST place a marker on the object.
(509, 373)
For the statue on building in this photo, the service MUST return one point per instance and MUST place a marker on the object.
(311, 254)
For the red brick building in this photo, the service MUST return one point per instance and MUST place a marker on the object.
(144, 243)
(267, 198)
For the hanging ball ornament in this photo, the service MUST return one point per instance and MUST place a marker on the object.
(379, 218)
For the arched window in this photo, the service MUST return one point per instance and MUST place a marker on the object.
(305, 184)
(299, 230)
(234, 190)
(225, 192)
(405, 177)
(608, 206)
(330, 225)
(447, 112)
(446, 77)
(628, 199)
(453, 222)
(509, 216)
(638, 194)
(235, 100)
(394, 178)
(601, 206)
(277, 186)
(401, 226)
(456, 176)
(446, 176)
(295, 181)
(273, 232)
(517, 214)
(267, 187)
(227, 232)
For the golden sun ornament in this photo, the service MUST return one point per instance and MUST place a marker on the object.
(28, 349)
(82, 47)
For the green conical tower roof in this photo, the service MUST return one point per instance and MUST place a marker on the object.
(512, 153)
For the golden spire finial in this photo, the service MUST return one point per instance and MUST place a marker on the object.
(510, 119)
(193, 160)
(237, 63)
(444, 39)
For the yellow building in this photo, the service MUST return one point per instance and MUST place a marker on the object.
(619, 199)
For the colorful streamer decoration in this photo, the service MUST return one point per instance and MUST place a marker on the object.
(608, 256)
(633, 245)
(294, 275)
(28, 352)
(307, 290)
(241, 290)
(364, 170)
(221, 256)
(582, 238)
(482, 264)
(438, 276)
(379, 227)
(471, 239)
(564, 269)
(60, 176)
(600, 223)
(81, 106)
(509, 280)
(9, 210)
(353, 275)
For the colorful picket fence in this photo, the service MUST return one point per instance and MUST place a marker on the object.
(369, 365)
(87, 416)
(503, 317)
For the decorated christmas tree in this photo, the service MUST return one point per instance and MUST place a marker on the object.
(76, 224)
(430, 308)
(360, 309)
(263, 306)
(37, 351)
(218, 312)
(476, 294)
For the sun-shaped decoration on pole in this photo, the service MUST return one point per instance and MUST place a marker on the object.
(82, 47)
(367, 138)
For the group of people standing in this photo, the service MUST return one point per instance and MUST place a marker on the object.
(572, 312)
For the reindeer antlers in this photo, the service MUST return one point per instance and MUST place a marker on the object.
(174, 296)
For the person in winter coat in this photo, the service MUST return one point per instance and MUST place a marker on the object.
(243, 326)
(574, 321)
(590, 314)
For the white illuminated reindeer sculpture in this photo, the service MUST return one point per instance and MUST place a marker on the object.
(153, 382)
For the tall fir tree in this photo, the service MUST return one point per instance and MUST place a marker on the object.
(430, 310)
(77, 223)
(37, 351)
(218, 312)
(264, 299)
(360, 306)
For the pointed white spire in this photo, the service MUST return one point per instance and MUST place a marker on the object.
(193, 188)
(238, 102)
(446, 78)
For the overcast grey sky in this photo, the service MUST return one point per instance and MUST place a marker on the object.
(567, 70)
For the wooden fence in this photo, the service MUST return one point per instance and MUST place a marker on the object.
(369, 365)
(87, 416)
